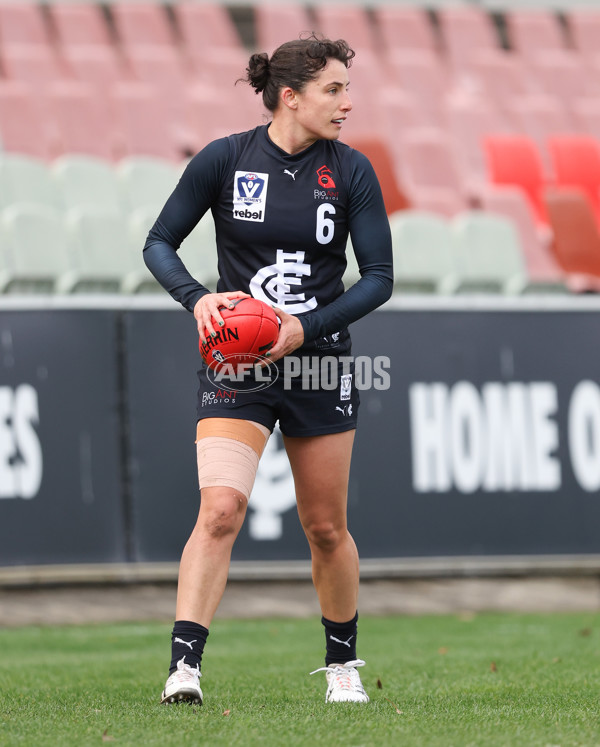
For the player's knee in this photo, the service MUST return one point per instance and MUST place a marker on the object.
(225, 519)
(325, 535)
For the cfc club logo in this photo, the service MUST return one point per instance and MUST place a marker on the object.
(249, 196)
(325, 178)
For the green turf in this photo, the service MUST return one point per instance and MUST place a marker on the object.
(521, 680)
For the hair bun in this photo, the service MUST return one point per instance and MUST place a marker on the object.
(258, 71)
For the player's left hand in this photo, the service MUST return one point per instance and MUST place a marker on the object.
(291, 336)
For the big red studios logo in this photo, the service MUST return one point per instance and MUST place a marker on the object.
(327, 183)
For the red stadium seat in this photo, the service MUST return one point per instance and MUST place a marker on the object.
(466, 31)
(469, 120)
(79, 23)
(144, 123)
(430, 172)
(587, 115)
(514, 160)
(22, 23)
(499, 77)
(421, 75)
(23, 126)
(381, 160)
(204, 26)
(142, 23)
(539, 117)
(564, 76)
(278, 23)
(34, 64)
(577, 164)
(210, 114)
(83, 124)
(542, 266)
(95, 64)
(404, 28)
(576, 237)
(163, 69)
(584, 25)
(533, 31)
(349, 22)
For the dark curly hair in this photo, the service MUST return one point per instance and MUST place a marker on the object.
(293, 64)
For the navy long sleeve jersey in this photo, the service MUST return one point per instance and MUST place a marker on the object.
(282, 223)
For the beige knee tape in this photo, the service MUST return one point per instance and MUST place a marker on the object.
(228, 452)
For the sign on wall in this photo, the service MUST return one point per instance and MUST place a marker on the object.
(60, 470)
(479, 434)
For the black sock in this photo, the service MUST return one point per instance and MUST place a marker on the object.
(340, 639)
(187, 642)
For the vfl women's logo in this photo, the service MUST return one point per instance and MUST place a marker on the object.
(325, 178)
(249, 195)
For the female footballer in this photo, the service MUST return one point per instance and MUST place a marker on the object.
(285, 197)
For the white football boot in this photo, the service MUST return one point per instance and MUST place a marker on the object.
(343, 681)
(183, 686)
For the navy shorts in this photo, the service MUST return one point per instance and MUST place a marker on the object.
(311, 395)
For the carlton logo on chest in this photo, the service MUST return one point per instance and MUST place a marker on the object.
(250, 196)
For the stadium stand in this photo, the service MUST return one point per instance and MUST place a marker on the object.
(469, 119)
(82, 180)
(430, 172)
(545, 274)
(584, 28)
(465, 32)
(25, 178)
(77, 24)
(488, 253)
(576, 243)
(586, 113)
(34, 64)
(577, 164)
(23, 23)
(515, 160)
(352, 273)
(199, 252)
(143, 122)
(420, 73)
(456, 106)
(99, 66)
(206, 26)
(145, 181)
(142, 23)
(424, 257)
(402, 28)
(82, 123)
(34, 248)
(381, 159)
(101, 258)
(347, 22)
(539, 116)
(23, 126)
(533, 31)
(565, 76)
(276, 23)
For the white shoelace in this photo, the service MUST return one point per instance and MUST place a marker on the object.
(345, 675)
(185, 672)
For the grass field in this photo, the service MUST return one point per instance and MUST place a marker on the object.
(454, 680)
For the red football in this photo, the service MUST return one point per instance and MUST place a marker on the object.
(251, 329)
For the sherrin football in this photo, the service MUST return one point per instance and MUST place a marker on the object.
(251, 329)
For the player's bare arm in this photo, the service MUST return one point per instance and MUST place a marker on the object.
(206, 310)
